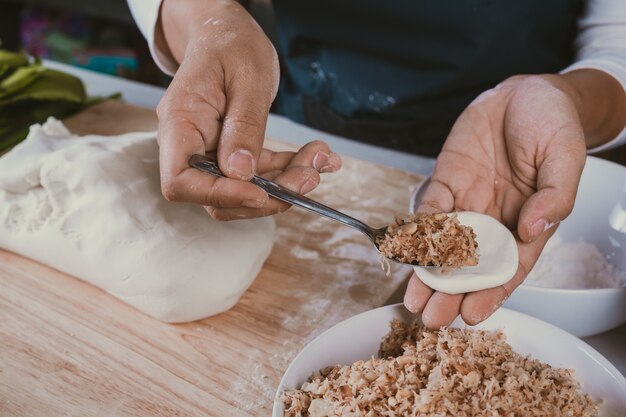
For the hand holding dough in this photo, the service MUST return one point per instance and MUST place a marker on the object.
(497, 262)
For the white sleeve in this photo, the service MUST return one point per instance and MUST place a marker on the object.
(601, 45)
(146, 15)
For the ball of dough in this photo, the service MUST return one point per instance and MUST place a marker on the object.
(92, 207)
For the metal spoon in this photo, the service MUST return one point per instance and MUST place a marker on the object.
(208, 164)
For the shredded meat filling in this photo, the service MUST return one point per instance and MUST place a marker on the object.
(447, 372)
(430, 239)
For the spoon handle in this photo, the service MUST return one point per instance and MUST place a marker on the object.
(207, 164)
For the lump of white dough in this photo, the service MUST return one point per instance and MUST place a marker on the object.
(91, 207)
(497, 262)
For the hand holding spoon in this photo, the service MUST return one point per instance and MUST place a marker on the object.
(208, 164)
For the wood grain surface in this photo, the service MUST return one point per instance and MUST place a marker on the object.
(70, 349)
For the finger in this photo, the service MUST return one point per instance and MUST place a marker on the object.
(479, 305)
(300, 175)
(202, 106)
(334, 164)
(298, 179)
(178, 140)
(438, 198)
(194, 186)
(416, 295)
(243, 128)
(321, 160)
(441, 309)
(182, 133)
(270, 161)
(272, 175)
(181, 183)
(314, 154)
(317, 154)
(557, 183)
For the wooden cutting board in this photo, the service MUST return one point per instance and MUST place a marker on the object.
(70, 349)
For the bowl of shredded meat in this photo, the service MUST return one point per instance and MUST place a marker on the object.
(384, 362)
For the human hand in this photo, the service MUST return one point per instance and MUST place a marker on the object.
(516, 153)
(219, 101)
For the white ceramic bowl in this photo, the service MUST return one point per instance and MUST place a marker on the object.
(599, 217)
(359, 338)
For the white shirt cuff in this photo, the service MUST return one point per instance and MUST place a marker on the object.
(146, 15)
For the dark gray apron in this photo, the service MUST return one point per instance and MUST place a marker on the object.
(398, 73)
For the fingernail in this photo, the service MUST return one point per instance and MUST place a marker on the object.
(334, 163)
(479, 318)
(308, 186)
(537, 228)
(550, 225)
(254, 203)
(409, 303)
(241, 164)
(320, 161)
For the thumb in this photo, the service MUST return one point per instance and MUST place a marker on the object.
(243, 130)
(437, 198)
(557, 183)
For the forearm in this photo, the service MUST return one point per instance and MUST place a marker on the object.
(177, 20)
(182, 21)
(600, 101)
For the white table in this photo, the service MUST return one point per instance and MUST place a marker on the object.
(611, 344)
(278, 127)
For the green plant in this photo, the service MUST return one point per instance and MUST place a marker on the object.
(30, 93)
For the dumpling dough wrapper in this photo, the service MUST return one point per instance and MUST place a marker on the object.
(92, 207)
(497, 262)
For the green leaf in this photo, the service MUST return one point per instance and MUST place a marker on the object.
(4, 70)
(51, 85)
(30, 93)
(19, 79)
(12, 59)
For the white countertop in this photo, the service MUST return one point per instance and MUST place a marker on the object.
(278, 127)
(611, 344)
